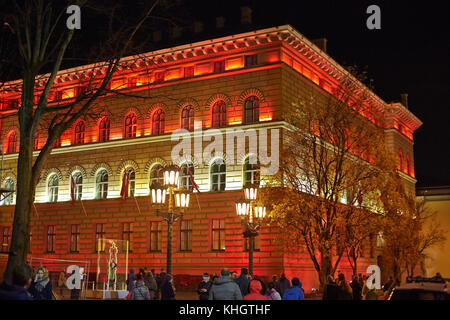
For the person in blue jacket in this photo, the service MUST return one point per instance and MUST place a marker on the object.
(17, 290)
(295, 292)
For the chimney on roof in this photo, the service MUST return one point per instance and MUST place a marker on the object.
(404, 97)
(321, 43)
(246, 15)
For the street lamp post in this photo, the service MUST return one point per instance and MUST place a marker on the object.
(252, 213)
(178, 198)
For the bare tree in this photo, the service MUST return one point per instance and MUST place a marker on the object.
(42, 40)
(332, 165)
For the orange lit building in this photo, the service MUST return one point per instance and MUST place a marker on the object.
(222, 82)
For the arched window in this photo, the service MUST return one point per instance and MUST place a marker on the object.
(400, 158)
(102, 184)
(218, 175)
(53, 183)
(103, 130)
(130, 125)
(131, 182)
(78, 187)
(79, 133)
(251, 110)
(9, 185)
(219, 115)
(185, 177)
(187, 118)
(157, 174)
(12, 142)
(158, 120)
(251, 172)
(36, 141)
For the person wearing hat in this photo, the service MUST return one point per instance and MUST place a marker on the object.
(204, 287)
(140, 291)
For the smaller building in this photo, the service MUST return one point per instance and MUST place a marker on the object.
(437, 199)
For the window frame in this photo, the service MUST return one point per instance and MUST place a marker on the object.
(253, 111)
(53, 190)
(74, 238)
(219, 114)
(130, 125)
(101, 187)
(100, 234)
(187, 121)
(158, 125)
(157, 233)
(104, 129)
(186, 235)
(12, 142)
(220, 231)
(79, 133)
(129, 234)
(219, 174)
(50, 245)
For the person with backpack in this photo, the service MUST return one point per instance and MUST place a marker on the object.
(295, 292)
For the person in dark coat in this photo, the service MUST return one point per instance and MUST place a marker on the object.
(356, 288)
(282, 284)
(151, 284)
(243, 282)
(41, 287)
(331, 291)
(204, 287)
(168, 289)
(17, 290)
(131, 280)
(345, 291)
(224, 288)
(159, 282)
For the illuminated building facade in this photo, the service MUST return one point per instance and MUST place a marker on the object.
(244, 81)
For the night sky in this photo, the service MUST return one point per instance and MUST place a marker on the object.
(410, 54)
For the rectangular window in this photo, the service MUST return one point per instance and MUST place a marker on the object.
(100, 237)
(6, 239)
(51, 239)
(251, 60)
(127, 235)
(218, 234)
(186, 235)
(155, 236)
(189, 71)
(247, 243)
(74, 237)
(219, 66)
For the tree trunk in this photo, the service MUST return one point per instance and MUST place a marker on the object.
(325, 267)
(25, 185)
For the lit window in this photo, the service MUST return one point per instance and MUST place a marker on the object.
(251, 172)
(187, 118)
(218, 175)
(102, 185)
(219, 118)
(103, 130)
(158, 121)
(251, 109)
(9, 185)
(131, 182)
(53, 183)
(130, 125)
(36, 141)
(218, 234)
(185, 177)
(100, 237)
(12, 142)
(78, 188)
(157, 174)
(79, 133)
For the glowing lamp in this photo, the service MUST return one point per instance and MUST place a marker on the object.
(182, 197)
(259, 211)
(158, 193)
(242, 208)
(250, 191)
(171, 174)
